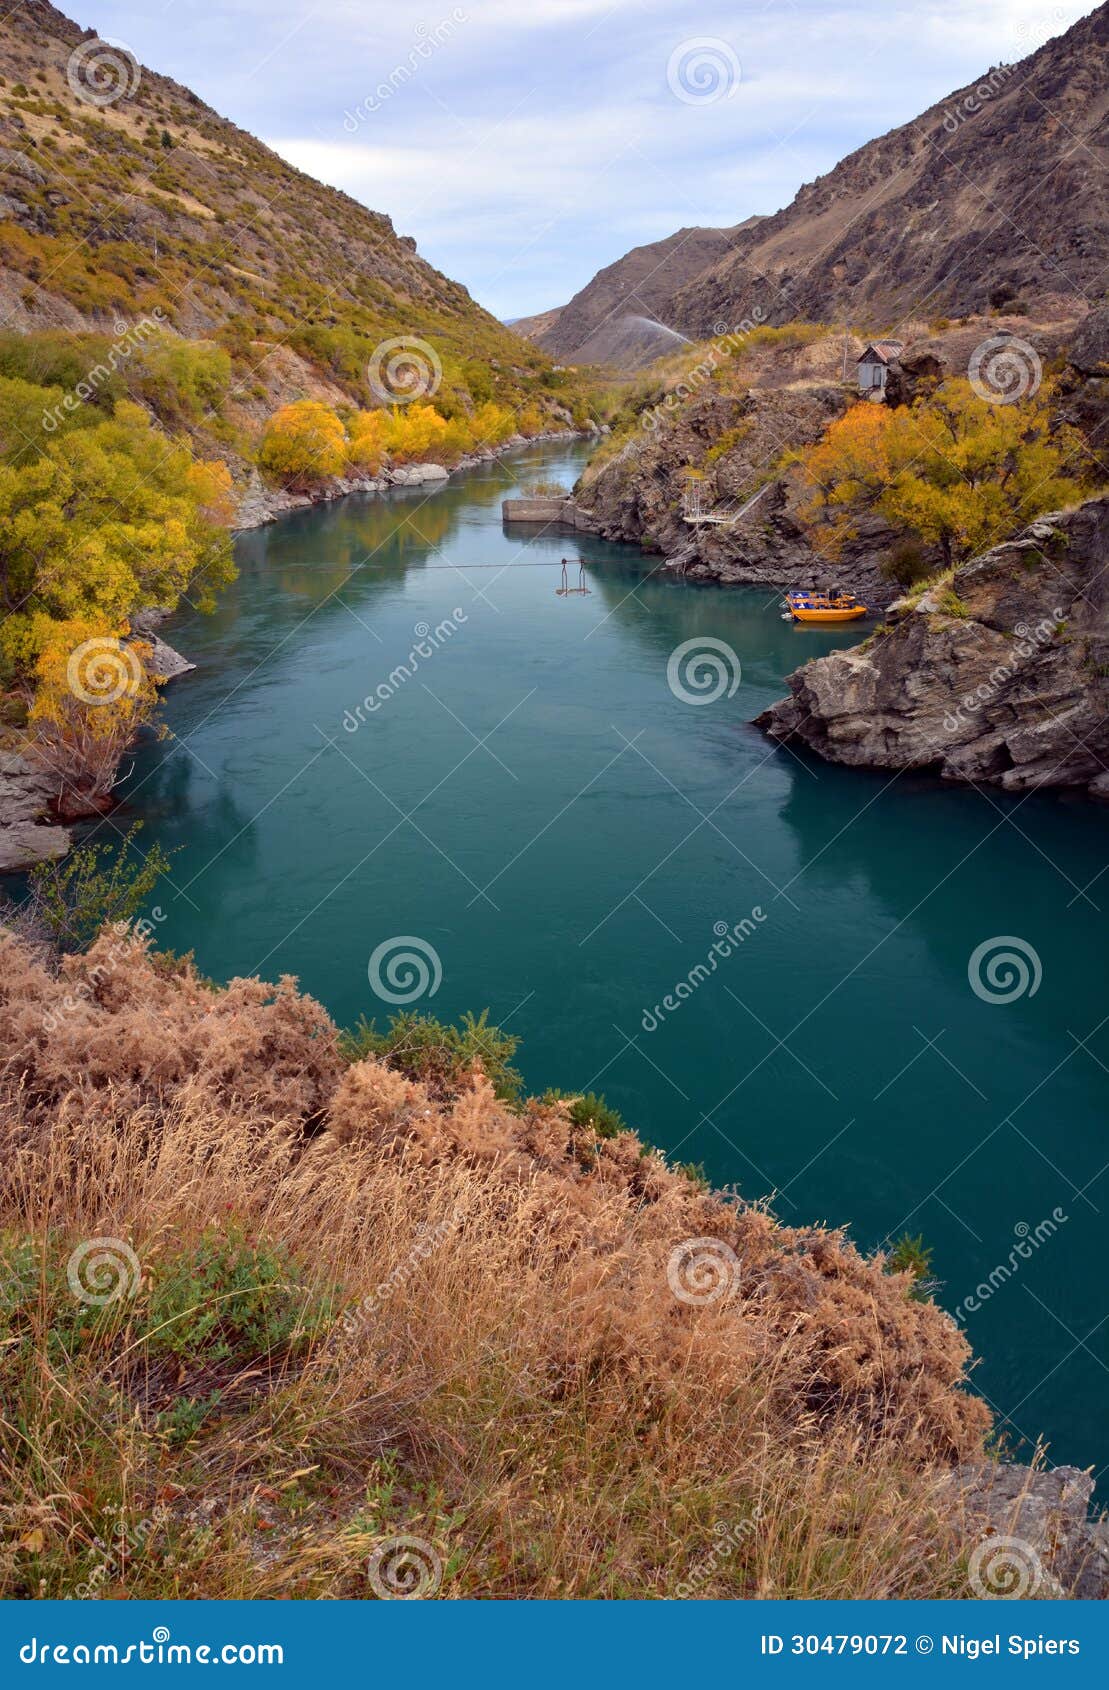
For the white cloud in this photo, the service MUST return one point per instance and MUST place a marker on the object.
(539, 139)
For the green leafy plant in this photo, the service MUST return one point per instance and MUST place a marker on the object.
(231, 1299)
(437, 1055)
(912, 1255)
(96, 884)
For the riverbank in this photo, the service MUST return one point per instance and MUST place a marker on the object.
(798, 1390)
(260, 503)
(272, 802)
(29, 832)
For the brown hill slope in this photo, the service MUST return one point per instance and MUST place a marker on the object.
(123, 194)
(996, 191)
(1001, 185)
(614, 318)
(553, 1358)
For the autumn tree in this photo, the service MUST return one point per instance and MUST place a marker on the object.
(99, 519)
(366, 432)
(413, 431)
(953, 469)
(95, 690)
(304, 443)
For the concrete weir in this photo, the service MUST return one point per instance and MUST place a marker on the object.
(546, 513)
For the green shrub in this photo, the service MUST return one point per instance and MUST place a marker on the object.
(912, 1255)
(96, 884)
(439, 1056)
(906, 564)
(231, 1299)
(590, 1110)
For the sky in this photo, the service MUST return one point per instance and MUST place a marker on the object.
(527, 143)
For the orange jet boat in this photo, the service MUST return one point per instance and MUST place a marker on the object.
(823, 607)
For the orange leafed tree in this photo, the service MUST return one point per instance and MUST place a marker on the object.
(94, 691)
(955, 469)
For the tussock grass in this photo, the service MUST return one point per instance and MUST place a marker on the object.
(365, 1309)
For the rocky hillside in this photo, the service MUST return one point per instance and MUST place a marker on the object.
(1000, 675)
(620, 317)
(124, 197)
(994, 195)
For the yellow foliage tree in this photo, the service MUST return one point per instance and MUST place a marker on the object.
(99, 521)
(94, 691)
(366, 441)
(304, 444)
(954, 469)
(491, 424)
(413, 432)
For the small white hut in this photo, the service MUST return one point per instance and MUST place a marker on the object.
(874, 363)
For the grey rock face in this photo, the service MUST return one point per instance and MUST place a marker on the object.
(1002, 679)
(1055, 1548)
(25, 794)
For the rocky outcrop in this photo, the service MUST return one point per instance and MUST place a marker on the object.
(739, 444)
(26, 837)
(1000, 676)
(1038, 1538)
(165, 663)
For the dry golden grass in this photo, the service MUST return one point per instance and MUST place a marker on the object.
(484, 1350)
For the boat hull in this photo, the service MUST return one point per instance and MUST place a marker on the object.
(848, 615)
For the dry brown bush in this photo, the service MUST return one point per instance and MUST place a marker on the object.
(560, 1422)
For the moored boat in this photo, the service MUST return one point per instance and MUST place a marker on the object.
(823, 607)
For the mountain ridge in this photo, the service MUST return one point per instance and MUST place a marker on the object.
(920, 220)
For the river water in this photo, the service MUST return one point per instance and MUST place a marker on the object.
(565, 835)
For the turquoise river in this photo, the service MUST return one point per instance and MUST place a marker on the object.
(564, 835)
